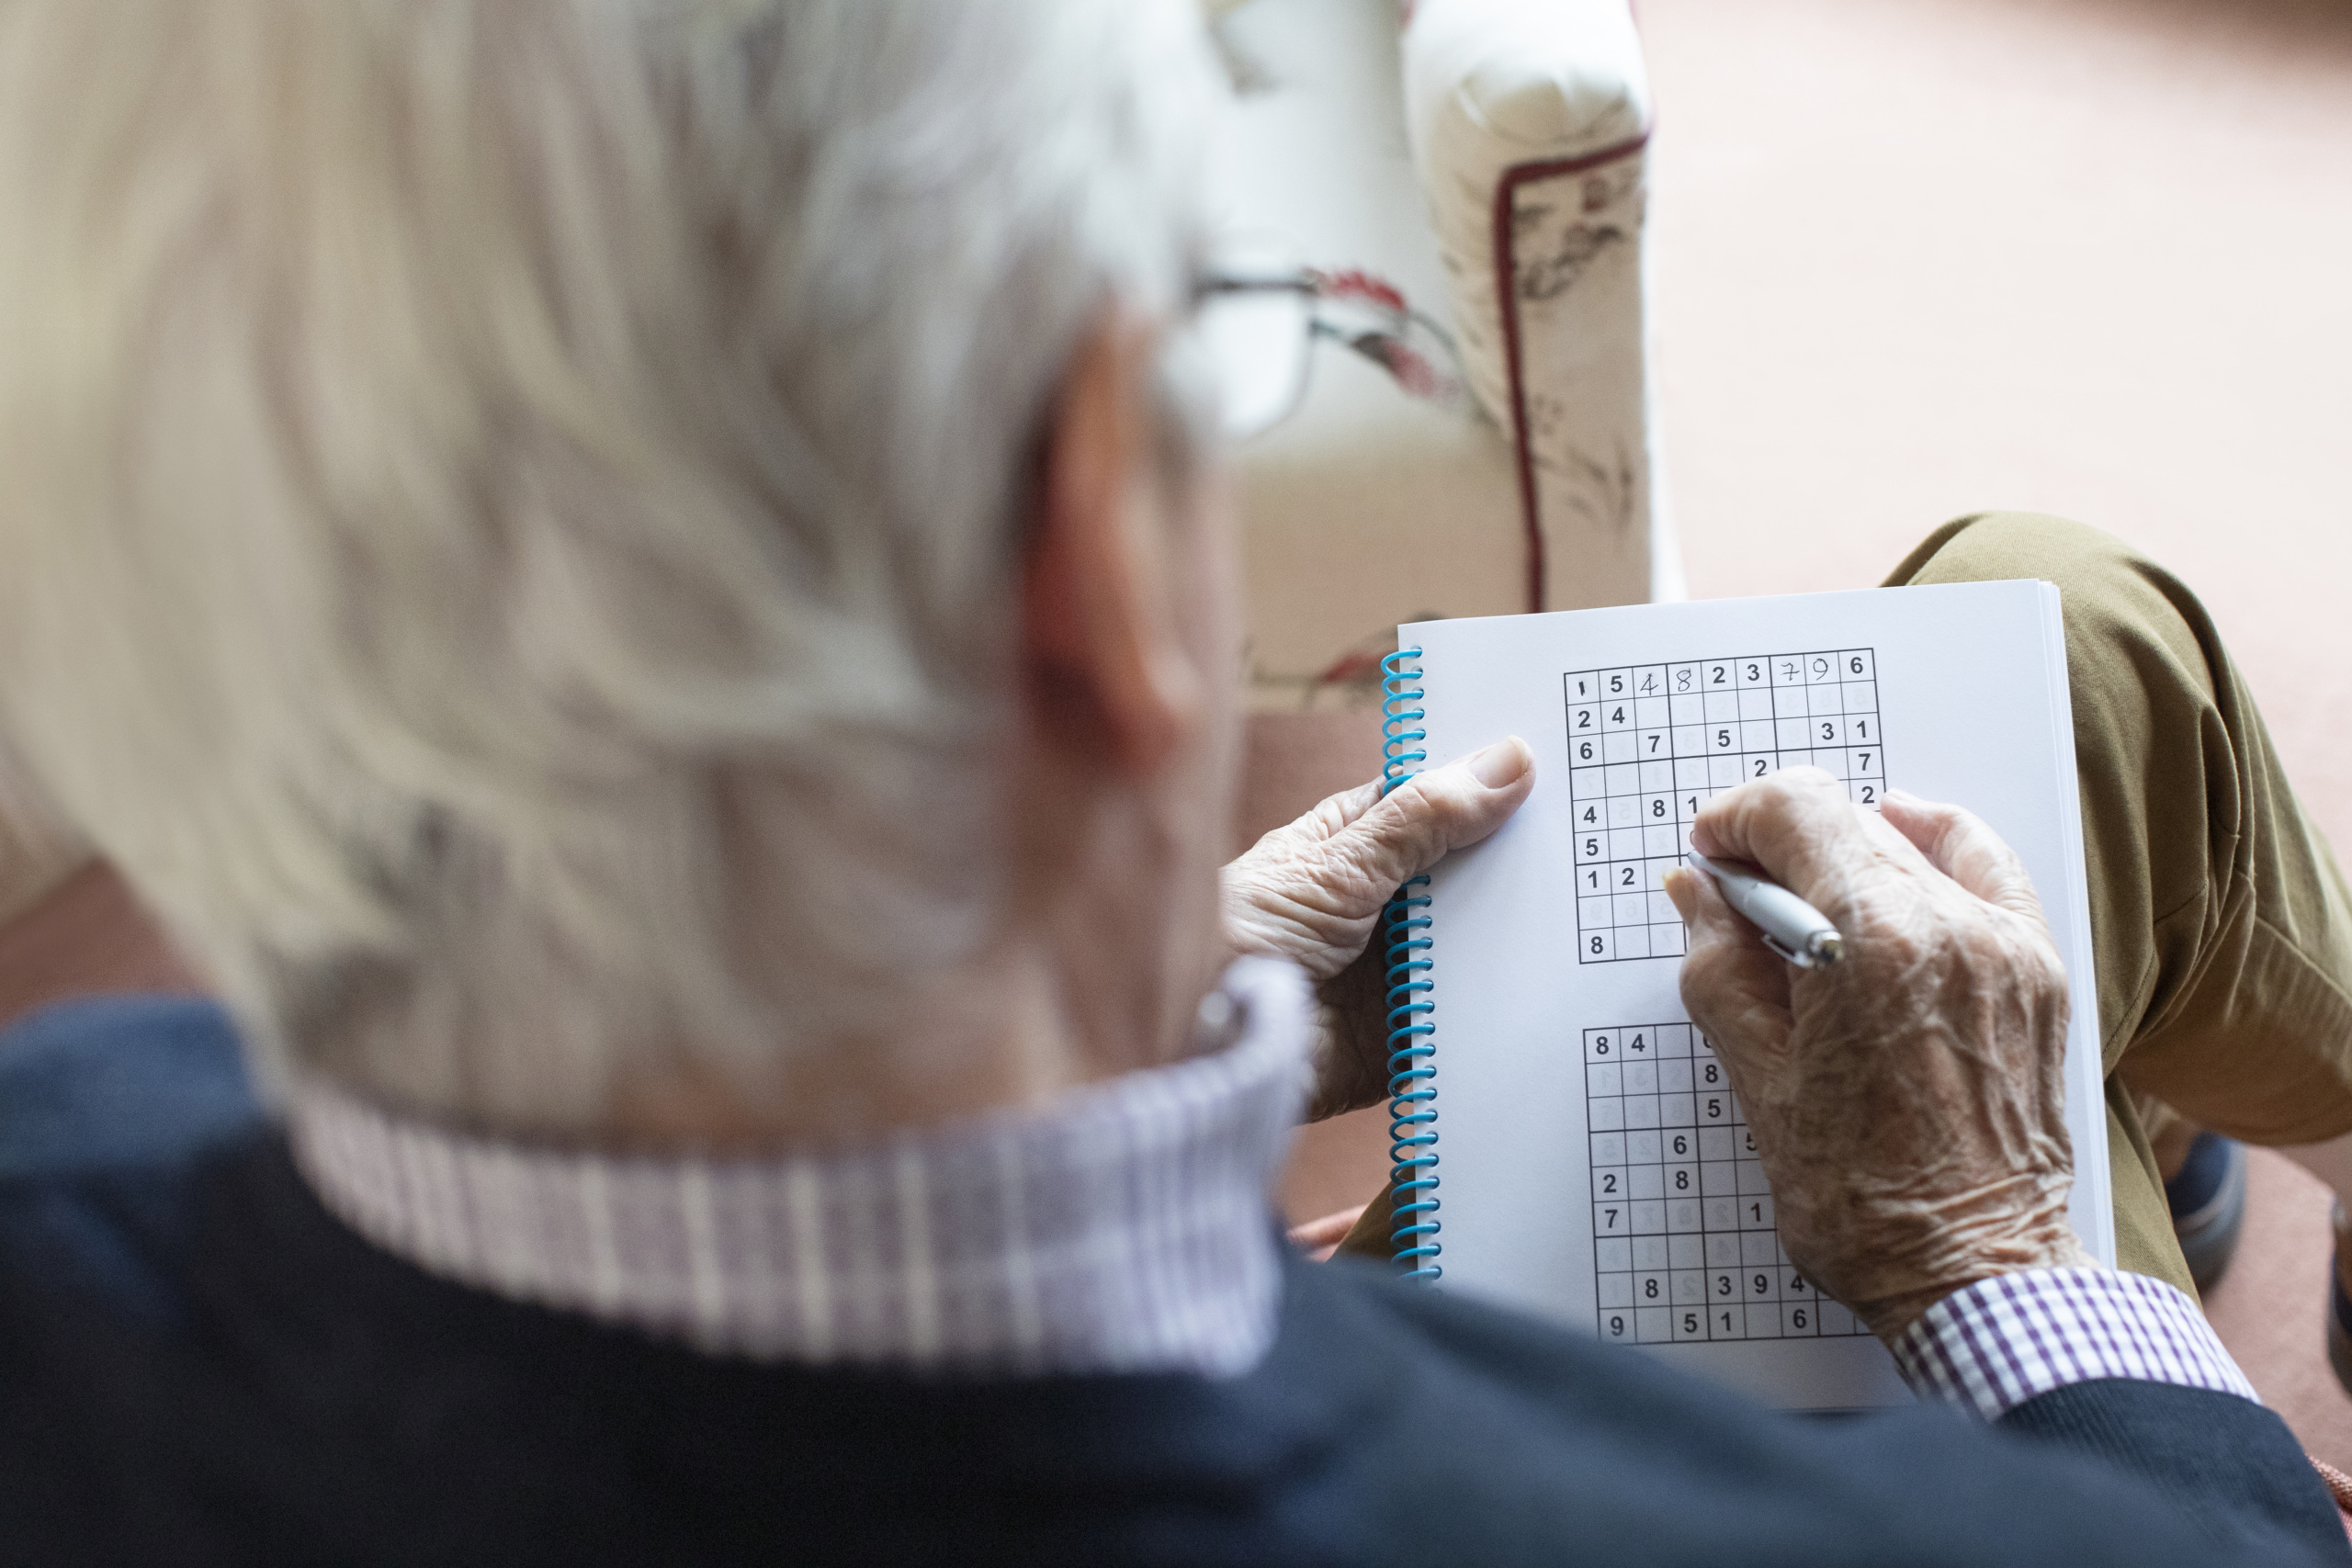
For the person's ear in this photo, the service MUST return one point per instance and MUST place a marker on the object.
(1111, 672)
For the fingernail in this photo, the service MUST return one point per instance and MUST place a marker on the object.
(1678, 887)
(1502, 763)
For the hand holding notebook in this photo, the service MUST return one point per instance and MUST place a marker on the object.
(1312, 891)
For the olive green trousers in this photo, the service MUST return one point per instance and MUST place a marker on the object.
(2222, 929)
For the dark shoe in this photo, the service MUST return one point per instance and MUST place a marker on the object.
(2208, 1202)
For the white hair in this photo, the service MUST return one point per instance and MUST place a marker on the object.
(512, 507)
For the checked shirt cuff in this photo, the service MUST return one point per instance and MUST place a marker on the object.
(2013, 1337)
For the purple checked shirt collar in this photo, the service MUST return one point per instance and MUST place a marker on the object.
(1126, 1228)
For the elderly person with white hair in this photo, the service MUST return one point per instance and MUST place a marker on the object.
(644, 588)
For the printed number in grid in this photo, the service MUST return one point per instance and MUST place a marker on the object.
(1648, 743)
(1683, 1242)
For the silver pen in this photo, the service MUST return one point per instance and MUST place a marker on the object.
(1792, 928)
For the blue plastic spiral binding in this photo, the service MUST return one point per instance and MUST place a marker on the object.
(1412, 1093)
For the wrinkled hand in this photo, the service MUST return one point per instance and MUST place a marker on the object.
(1312, 892)
(1908, 1103)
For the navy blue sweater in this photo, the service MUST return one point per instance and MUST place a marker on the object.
(199, 1364)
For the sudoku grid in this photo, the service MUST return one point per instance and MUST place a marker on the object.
(1648, 743)
(1683, 1235)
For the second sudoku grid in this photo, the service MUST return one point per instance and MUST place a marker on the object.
(1684, 1243)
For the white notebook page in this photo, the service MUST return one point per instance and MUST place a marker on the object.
(1594, 1167)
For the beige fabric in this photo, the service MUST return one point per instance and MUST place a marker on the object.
(1495, 92)
(1365, 508)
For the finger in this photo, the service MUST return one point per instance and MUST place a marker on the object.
(1734, 987)
(1413, 826)
(1959, 843)
(1312, 829)
(1799, 826)
(1337, 811)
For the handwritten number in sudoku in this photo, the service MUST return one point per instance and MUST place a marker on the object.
(1682, 1236)
(1648, 743)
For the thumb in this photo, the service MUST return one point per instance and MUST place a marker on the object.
(1959, 843)
(1412, 827)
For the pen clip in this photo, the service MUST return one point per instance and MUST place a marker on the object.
(1802, 960)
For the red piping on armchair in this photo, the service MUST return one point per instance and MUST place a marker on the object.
(1507, 294)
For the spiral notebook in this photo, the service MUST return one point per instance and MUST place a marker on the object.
(1565, 1139)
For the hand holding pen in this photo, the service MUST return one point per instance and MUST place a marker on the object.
(1917, 1079)
(1792, 928)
